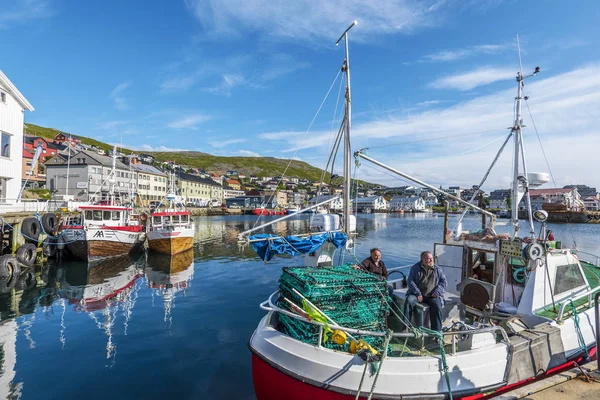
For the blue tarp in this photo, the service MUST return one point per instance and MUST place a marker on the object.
(294, 245)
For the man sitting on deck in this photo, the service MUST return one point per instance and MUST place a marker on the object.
(426, 284)
(374, 264)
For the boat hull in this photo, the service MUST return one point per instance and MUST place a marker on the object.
(97, 243)
(171, 242)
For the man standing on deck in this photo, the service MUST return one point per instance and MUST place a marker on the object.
(374, 264)
(426, 284)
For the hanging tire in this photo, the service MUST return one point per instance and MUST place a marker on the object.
(49, 223)
(27, 254)
(49, 247)
(27, 281)
(9, 271)
(31, 229)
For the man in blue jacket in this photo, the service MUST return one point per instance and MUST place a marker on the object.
(426, 284)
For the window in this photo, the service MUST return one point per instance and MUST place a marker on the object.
(175, 219)
(97, 215)
(116, 215)
(3, 97)
(88, 215)
(106, 215)
(156, 220)
(5, 145)
(3, 189)
(568, 277)
(184, 219)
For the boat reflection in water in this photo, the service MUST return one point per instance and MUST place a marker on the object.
(168, 275)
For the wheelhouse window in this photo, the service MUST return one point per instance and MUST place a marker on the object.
(568, 277)
(184, 219)
(156, 220)
(175, 219)
(167, 219)
(97, 215)
(89, 215)
(106, 215)
(116, 215)
(5, 145)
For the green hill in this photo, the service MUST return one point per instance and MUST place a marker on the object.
(259, 166)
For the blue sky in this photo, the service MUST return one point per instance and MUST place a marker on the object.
(246, 77)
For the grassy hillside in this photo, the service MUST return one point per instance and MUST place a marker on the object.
(259, 166)
(50, 133)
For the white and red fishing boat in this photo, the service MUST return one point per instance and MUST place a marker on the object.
(171, 229)
(107, 229)
(517, 309)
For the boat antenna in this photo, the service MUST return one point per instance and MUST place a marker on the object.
(347, 149)
(113, 176)
(520, 183)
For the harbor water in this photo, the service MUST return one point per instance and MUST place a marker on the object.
(155, 328)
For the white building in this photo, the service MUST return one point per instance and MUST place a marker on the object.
(408, 204)
(150, 182)
(375, 203)
(334, 205)
(567, 196)
(12, 108)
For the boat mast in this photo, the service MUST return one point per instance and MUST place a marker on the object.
(113, 176)
(520, 184)
(347, 149)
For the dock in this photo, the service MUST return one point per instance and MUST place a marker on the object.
(577, 383)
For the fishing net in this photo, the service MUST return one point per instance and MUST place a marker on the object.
(352, 298)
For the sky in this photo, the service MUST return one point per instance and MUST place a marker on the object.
(433, 81)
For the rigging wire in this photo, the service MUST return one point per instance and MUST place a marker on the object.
(540, 141)
(305, 133)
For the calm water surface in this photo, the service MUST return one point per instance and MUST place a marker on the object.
(155, 328)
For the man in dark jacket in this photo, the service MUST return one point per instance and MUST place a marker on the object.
(426, 284)
(374, 264)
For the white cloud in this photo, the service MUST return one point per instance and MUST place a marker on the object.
(566, 109)
(228, 82)
(459, 54)
(16, 12)
(179, 83)
(120, 102)
(147, 147)
(225, 143)
(307, 20)
(188, 121)
(479, 77)
(247, 153)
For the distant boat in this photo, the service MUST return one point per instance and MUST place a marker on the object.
(293, 209)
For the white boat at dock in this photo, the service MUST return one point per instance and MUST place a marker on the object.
(517, 307)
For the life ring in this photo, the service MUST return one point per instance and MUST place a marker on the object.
(30, 229)
(27, 254)
(49, 223)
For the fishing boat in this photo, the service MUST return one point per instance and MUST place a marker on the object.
(292, 209)
(171, 229)
(517, 308)
(107, 229)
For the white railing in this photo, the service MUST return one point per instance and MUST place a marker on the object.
(268, 305)
(22, 205)
(563, 304)
(65, 205)
(588, 257)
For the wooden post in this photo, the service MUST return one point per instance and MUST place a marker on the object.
(446, 210)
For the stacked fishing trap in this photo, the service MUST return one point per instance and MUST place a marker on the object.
(352, 298)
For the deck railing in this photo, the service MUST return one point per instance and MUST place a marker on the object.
(269, 305)
(564, 303)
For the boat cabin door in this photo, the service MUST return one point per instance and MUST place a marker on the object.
(450, 258)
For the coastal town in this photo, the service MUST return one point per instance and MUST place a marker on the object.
(73, 171)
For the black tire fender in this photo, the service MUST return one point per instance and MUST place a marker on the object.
(49, 223)
(9, 271)
(31, 229)
(49, 247)
(27, 281)
(26, 254)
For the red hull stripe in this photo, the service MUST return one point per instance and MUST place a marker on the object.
(272, 384)
(133, 228)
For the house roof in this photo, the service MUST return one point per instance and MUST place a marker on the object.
(548, 192)
(233, 182)
(27, 154)
(196, 178)
(148, 169)
(368, 199)
(12, 89)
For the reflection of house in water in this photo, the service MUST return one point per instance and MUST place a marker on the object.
(8, 360)
(169, 275)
